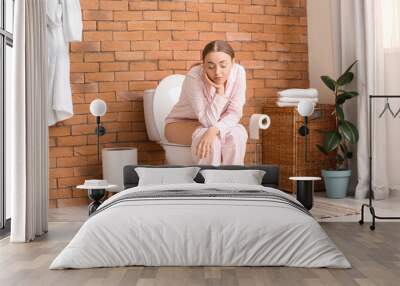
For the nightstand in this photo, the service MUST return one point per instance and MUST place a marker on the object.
(305, 190)
(96, 192)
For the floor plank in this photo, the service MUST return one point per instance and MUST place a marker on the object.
(375, 257)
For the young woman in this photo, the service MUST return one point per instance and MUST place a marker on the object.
(210, 107)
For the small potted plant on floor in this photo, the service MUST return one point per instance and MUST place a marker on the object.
(339, 139)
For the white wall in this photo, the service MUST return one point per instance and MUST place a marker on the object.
(320, 47)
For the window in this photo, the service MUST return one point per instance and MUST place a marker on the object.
(389, 12)
(6, 44)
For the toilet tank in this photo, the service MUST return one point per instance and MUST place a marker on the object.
(159, 102)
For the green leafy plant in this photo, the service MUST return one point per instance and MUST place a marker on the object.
(345, 133)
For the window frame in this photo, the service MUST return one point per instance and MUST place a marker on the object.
(6, 39)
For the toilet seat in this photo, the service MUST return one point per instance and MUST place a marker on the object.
(166, 96)
(157, 105)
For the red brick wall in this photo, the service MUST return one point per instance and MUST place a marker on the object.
(128, 46)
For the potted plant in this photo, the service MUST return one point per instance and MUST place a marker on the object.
(339, 139)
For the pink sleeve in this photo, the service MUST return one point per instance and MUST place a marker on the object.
(208, 114)
(234, 111)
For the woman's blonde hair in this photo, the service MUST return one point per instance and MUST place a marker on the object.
(216, 46)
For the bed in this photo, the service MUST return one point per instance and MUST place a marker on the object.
(201, 224)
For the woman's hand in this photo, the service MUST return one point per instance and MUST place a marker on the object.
(204, 147)
(220, 88)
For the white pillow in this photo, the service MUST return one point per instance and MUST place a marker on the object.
(249, 177)
(164, 176)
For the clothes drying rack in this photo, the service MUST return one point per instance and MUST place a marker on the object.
(369, 205)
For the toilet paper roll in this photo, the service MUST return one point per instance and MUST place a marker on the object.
(114, 160)
(257, 122)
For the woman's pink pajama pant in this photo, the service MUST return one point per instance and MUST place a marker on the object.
(228, 149)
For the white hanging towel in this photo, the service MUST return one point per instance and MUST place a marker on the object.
(299, 92)
(64, 25)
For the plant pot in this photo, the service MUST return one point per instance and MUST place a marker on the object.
(336, 183)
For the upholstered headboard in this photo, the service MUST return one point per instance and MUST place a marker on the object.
(270, 179)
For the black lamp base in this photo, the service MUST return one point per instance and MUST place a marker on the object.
(304, 131)
(100, 130)
(96, 195)
(305, 193)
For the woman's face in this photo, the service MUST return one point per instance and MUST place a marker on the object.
(217, 66)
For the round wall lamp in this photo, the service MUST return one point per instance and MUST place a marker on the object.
(98, 108)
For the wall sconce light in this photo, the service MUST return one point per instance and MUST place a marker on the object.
(98, 108)
(305, 108)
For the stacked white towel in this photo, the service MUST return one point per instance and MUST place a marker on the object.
(292, 96)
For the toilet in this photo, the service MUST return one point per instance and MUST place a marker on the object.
(157, 105)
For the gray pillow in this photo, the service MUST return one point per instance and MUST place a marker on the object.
(164, 176)
(249, 177)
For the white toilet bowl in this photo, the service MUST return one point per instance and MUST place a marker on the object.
(157, 105)
(176, 154)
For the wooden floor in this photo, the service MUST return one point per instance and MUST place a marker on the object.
(375, 257)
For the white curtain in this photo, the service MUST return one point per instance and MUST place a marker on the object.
(368, 31)
(386, 153)
(27, 131)
(352, 22)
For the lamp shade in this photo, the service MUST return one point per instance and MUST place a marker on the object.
(305, 108)
(98, 107)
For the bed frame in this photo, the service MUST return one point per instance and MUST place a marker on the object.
(270, 179)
